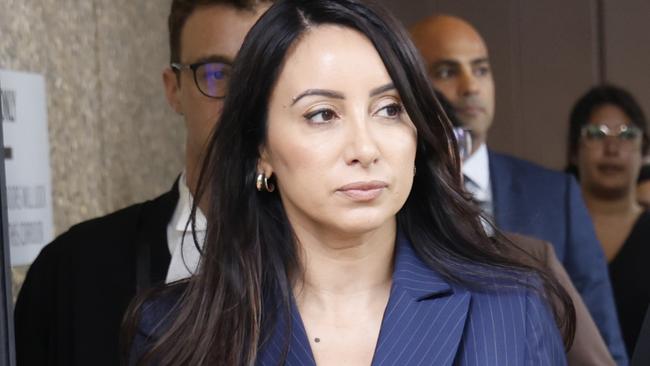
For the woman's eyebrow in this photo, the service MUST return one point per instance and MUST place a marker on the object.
(338, 95)
(322, 92)
(382, 89)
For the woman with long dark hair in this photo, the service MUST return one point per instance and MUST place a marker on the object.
(338, 231)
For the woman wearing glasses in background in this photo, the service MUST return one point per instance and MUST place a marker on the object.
(607, 140)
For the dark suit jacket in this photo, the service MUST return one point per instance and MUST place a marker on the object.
(548, 205)
(71, 304)
(428, 321)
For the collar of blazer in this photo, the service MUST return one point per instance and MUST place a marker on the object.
(423, 322)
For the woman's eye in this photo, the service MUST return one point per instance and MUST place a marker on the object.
(321, 116)
(595, 135)
(391, 110)
(628, 135)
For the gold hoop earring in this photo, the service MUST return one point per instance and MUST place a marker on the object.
(262, 181)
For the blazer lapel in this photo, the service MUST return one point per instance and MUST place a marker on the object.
(299, 351)
(425, 317)
(423, 321)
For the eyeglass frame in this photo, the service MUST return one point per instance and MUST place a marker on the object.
(609, 132)
(177, 66)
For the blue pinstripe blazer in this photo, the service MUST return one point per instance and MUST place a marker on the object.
(428, 321)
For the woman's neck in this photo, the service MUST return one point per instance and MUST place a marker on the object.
(613, 220)
(336, 267)
(624, 205)
(343, 291)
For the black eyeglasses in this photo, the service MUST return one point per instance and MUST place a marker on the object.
(211, 78)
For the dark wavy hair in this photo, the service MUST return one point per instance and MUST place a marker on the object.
(244, 281)
(585, 106)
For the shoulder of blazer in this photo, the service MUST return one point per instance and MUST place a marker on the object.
(526, 168)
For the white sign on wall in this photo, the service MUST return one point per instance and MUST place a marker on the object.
(27, 164)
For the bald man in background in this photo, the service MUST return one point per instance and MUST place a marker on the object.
(520, 196)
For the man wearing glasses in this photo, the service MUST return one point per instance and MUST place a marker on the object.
(75, 294)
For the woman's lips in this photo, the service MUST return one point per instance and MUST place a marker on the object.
(363, 191)
(611, 168)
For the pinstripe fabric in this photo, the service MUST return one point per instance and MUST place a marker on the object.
(431, 322)
(427, 321)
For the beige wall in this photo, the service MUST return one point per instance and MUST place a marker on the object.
(113, 139)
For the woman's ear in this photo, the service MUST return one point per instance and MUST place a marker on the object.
(263, 163)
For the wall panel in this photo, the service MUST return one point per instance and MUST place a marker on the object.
(559, 61)
(627, 47)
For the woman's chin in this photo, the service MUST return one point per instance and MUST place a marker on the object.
(363, 224)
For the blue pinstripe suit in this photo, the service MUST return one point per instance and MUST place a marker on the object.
(429, 321)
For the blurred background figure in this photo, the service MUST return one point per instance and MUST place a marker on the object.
(607, 140)
(520, 196)
(588, 346)
(71, 305)
(643, 186)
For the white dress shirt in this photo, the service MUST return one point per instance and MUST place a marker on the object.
(184, 254)
(476, 169)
